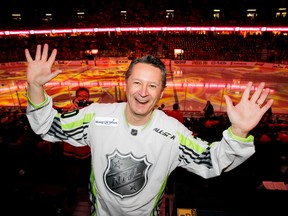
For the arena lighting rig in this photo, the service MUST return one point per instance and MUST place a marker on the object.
(145, 29)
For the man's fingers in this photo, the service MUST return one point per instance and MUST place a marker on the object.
(52, 56)
(56, 73)
(28, 56)
(258, 93)
(43, 56)
(265, 107)
(261, 100)
(246, 93)
(229, 103)
(38, 52)
(45, 52)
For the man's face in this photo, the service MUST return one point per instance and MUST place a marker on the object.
(143, 91)
(82, 95)
(82, 99)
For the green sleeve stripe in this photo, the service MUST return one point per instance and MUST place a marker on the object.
(250, 138)
(58, 115)
(160, 194)
(38, 105)
(184, 141)
(93, 188)
(78, 123)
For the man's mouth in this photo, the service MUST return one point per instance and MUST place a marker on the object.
(141, 101)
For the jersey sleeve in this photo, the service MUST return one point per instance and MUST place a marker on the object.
(52, 126)
(211, 159)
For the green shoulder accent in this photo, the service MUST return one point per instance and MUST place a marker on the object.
(86, 118)
(125, 116)
(38, 105)
(192, 144)
(149, 121)
(250, 138)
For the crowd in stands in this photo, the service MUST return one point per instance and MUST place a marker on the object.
(237, 46)
(266, 47)
(99, 13)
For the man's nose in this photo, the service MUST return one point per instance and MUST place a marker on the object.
(143, 90)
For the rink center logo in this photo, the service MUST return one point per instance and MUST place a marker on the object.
(125, 175)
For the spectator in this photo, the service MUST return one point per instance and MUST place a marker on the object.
(176, 113)
(208, 110)
(161, 107)
(82, 99)
(77, 159)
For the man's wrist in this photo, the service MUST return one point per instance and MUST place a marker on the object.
(238, 132)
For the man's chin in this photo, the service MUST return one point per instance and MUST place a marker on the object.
(142, 109)
(142, 112)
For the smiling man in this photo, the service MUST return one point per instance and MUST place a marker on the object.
(134, 146)
(145, 85)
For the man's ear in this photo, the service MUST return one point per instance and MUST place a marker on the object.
(161, 95)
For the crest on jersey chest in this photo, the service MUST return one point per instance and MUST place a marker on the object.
(125, 174)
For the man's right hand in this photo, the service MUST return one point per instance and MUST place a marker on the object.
(39, 72)
(74, 105)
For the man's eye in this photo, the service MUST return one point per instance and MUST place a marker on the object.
(136, 82)
(153, 86)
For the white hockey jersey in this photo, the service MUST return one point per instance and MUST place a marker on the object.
(131, 165)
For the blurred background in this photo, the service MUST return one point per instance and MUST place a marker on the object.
(210, 48)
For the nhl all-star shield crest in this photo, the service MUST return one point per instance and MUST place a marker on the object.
(126, 175)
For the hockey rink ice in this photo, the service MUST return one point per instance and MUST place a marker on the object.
(191, 86)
